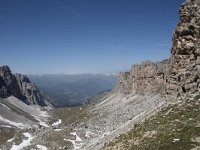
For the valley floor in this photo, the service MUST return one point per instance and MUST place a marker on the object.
(152, 122)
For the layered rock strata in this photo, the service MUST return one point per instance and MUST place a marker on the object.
(148, 77)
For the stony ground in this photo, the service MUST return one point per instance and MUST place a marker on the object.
(112, 119)
(92, 126)
(176, 127)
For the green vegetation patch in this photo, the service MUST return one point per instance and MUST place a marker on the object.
(6, 134)
(54, 139)
(70, 115)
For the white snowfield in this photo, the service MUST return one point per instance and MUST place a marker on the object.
(57, 123)
(24, 144)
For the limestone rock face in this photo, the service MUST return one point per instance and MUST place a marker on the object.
(124, 83)
(184, 70)
(29, 90)
(178, 75)
(3, 89)
(148, 77)
(19, 86)
(8, 83)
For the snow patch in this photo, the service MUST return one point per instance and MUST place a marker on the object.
(176, 140)
(18, 125)
(42, 118)
(5, 106)
(6, 126)
(77, 137)
(104, 135)
(57, 122)
(10, 140)
(89, 134)
(42, 123)
(77, 143)
(57, 129)
(43, 113)
(24, 143)
(41, 147)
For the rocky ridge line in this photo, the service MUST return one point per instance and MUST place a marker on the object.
(19, 86)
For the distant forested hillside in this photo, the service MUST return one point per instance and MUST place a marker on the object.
(70, 90)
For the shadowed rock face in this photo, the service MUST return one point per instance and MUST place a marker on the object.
(178, 75)
(19, 86)
(8, 83)
(29, 90)
(3, 88)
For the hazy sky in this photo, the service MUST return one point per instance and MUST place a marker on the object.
(84, 36)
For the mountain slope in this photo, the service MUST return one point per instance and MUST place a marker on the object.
(22, 107)
(17, 118)
(153, 106)
(176, 127)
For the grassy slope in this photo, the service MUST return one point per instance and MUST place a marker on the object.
(75, 115)
(179, 121)
(70, 118)
(6, 134)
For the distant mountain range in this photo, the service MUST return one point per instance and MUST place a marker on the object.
(73, 89)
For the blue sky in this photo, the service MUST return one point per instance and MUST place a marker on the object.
(84, 36)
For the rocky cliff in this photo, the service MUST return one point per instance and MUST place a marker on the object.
(144, 78)
(178, 75)
(8, 83)
(19, 86)
(184, 69)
